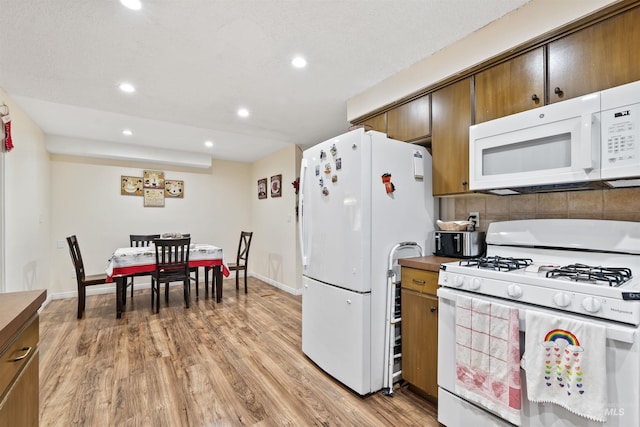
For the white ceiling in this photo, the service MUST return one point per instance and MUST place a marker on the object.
(195, 62)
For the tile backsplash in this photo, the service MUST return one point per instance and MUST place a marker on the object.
(617, 204)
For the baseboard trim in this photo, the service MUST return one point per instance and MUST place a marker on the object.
(276, 284)
(94, 290)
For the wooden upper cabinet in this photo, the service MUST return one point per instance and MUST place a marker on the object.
(378, 123)
(598, 57)
(411, 121)
(510, 87)
(451, 118)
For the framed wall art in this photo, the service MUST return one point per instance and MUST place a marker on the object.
(174, 189)
(262, 188)
(276, 186)
(131, 185)
(154, 197)
(153, 179)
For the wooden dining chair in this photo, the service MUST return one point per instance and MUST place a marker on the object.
(172, 265)
(195, 270)
(138, 241)
(242, 258)
(82, 279)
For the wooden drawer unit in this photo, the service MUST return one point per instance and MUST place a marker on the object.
(419, 280)
(21, 405)
(419, 312)
(18, 353)
(19, 367)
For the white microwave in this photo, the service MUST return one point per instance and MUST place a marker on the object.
(587, 142)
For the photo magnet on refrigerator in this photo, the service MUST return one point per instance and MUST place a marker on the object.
(388, 185)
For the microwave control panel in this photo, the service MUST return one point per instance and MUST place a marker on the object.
(621, 139)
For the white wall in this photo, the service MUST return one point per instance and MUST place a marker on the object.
(27, 213)
(274, 250)
(86, 201)
(49, 197)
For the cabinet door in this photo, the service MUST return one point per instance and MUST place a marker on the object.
(21, 406)
(595, 58)
(451, 118)
(378, 123)
(510, 87)
(420, 341)
(410, 121)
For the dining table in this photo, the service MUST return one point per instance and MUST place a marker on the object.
(141, 261)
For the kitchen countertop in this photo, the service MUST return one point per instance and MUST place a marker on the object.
(429, 263)
(16, 308)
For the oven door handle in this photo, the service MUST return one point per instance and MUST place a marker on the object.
(615, 332)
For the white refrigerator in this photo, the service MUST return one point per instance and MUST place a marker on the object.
(360, 195)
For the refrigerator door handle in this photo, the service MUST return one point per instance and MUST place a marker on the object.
(303, 170)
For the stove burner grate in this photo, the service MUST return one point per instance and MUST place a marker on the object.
(497, 263)
(613, 276)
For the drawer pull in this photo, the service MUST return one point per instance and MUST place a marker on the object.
(433, 309)
(27, 351)
(419, 282)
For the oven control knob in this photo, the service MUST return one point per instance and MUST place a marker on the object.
(562, 299)
(475, 283)
(514, 291)
(458, 281)
(591, 304)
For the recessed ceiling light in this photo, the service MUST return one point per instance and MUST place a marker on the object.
(208, 143)
(132, 4)
(299, 62)
(127, 132)
(127, 87)
(243, 112)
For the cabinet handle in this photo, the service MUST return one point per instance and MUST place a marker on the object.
(557, 91)
(433, 309)
(419, 282)
(464, 183)
(26, 350)
(535, 98)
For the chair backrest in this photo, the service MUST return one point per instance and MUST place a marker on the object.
(76, 257)
(139, 240)
(243, 248)
(172, 255)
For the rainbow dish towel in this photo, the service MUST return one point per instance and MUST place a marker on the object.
(488, 356)
(565, 364)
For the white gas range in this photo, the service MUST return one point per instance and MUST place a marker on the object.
(588, 270)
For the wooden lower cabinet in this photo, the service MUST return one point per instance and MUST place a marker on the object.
(20, 406)
(19, 358)
(420, 330)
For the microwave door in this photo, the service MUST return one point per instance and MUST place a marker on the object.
(550, 145)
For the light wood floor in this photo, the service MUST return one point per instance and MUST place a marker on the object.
(236, 363)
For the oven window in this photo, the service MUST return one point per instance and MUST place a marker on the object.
(552, 152)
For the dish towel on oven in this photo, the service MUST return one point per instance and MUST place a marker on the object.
(565, 364)
(488, 356)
